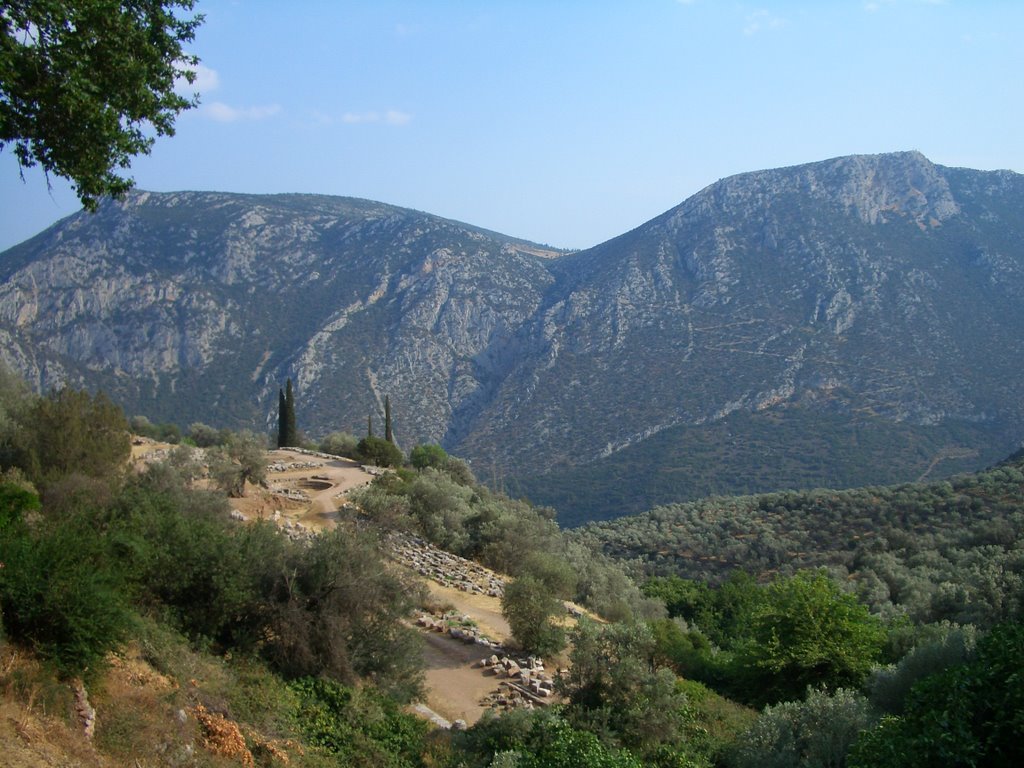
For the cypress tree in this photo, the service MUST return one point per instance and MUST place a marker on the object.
(282, 419)
(369, 425)
(291, 431)
(388, 435)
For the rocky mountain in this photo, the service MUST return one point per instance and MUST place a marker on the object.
(198, 306)
(853, 321)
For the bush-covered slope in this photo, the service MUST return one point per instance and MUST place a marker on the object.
(746, 453)
(944, 550)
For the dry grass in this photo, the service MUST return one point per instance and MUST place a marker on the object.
(37, 727)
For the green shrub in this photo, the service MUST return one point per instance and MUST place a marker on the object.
(529, 607)
(335, 609)
(359, 726)
(615, 690)
(538, 739)
(340, 444)
(970, 714)
(806, 633)
(205, 436)
(379, 452)
(949, 646)
(60, 595)
(814, 733)
(71, 431)
(428, 455)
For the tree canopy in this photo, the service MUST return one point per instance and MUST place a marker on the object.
(807, 633)
(85, 85)
(71, 431)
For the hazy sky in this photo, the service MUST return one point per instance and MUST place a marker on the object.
(569, 122)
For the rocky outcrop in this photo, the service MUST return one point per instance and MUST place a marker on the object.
(457, 627)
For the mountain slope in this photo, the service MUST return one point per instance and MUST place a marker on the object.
(857, 283)
(874, 290)
(199, 305)
(854, 320)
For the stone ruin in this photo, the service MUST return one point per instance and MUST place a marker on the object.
(458, 627)
(280, 466)
(525, 684)
(443, 567)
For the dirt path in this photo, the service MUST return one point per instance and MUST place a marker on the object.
(454, 686)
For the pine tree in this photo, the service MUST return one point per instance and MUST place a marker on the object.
(388, 434)
(292, 432)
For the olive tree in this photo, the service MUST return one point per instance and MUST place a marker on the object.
(242, 459)
(85, 86)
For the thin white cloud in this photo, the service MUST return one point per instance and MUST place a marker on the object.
(357, 118)
(205, 81)
(394, 117)
(761, 20)
(389, 117)
(224, 113)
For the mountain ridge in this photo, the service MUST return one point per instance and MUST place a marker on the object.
(873, 290)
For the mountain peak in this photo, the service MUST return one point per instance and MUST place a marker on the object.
(906, 184)
(874, 188)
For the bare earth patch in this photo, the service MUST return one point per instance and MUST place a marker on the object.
(454, 687)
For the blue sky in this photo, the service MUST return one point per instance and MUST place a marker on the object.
(567, 122)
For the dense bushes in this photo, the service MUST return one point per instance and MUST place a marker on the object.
(806, 633)
(538, 739)
(72, 432)
(104, 544)
(969, 714)
(58, 591)
(328, 608)
(814, 733)
(340, 444)
(379, 452)
(358, 726)
(952, 550)
(768, 643)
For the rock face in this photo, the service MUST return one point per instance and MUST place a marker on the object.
(878, 298)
